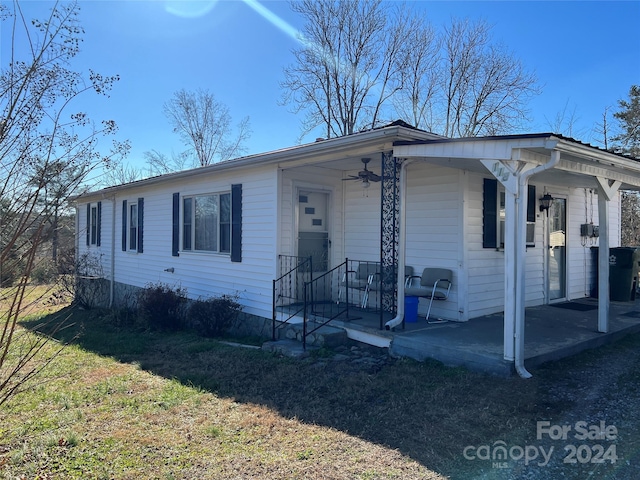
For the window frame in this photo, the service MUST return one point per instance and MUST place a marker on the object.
(493, 214)
(93, 224)
(132, 228)
(500, 215)
(132, 232)
(221, 237)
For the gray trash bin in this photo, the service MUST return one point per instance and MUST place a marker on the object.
(624, 265)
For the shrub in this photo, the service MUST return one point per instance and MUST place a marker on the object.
(89, 287)
(45, 271)
(162, 306)
(212, 317)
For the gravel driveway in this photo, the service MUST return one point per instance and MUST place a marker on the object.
(589, 424)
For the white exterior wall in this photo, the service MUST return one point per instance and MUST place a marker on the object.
(362, 222)
(580, 262)
(433, 230)
(486, 266)
(102, 252)
(201, 274)
(433, 226)
(444, 229)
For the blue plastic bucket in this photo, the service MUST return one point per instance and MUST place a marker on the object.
(410, 309)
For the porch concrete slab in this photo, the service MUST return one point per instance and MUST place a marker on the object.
(551, 333)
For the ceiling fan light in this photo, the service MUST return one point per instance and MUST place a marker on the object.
(365, 183)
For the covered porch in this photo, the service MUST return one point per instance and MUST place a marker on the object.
(553, 332)
(469, 206)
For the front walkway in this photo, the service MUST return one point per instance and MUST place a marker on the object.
(551, 332)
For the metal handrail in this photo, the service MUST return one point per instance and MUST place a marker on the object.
(335, 309)
(301, 263)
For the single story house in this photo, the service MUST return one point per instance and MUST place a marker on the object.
(512, 217)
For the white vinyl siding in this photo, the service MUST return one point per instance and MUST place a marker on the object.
(200, 274)
(433, 233)
(100, 255)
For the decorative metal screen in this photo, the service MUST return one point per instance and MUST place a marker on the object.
(389, 230)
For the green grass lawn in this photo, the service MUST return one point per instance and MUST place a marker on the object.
(122, 402)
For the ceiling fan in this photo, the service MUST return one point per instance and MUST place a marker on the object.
(366, 175)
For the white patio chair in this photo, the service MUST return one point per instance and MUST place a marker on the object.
(435, 284)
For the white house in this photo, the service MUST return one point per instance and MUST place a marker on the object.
(471, 205)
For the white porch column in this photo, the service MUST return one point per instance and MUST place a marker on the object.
(509, 328)
(507, 173)
(606, 191)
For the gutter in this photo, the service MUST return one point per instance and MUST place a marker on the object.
(402, 237)
(520, 250)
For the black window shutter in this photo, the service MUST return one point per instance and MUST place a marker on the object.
(236, 222)
(99, 224)
(175, 234)
(531, 204)
(88, 224)
(490, 213)
(140, 224)
(124, 225)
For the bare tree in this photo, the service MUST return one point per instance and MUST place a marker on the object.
(349, 65)
(421, 51)
(204, 124)
(485, 88)
(603, 130)
(41, 137)
(362, 60)
(159, 163)
(121, 173)
(565, 122)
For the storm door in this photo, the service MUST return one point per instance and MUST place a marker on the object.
(313, 232)
(557, 259)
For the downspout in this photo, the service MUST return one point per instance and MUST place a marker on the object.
(402, 236)
(113, 252)
(520, 240)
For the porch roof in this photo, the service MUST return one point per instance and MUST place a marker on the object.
(580, 163)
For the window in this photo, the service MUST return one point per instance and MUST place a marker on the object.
(225, 214)
(94, 218)
(494, 215)
(206, 223)
(94, 225)
(531, 223)
(132, 225)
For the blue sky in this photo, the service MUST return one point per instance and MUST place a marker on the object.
(586, 55)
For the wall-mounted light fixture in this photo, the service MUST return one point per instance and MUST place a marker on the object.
(545, 203)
